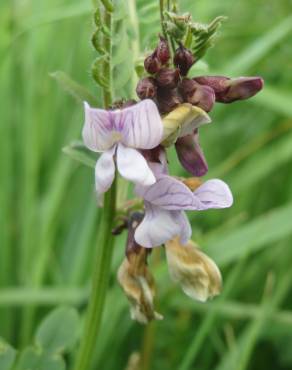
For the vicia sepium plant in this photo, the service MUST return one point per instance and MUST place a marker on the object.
(132, 138)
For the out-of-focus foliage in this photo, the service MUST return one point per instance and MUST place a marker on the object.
(49, 221)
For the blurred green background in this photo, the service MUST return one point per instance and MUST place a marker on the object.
(49, 220)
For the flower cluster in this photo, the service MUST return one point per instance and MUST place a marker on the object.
(133, 140)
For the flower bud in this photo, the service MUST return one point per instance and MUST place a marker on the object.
(168, 78)
(167, 100)
(242, 88)
(228, 90)
(197, 274)
(146, 88)
(218, 83)
(191, 155)
(152, 64)
(200, 95)
(162, 51)
(183, 59)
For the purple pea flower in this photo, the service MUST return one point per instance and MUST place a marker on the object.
(165, 203)
(117, 135)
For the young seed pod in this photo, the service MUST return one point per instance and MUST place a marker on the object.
(162, 51)
(183, 59)
(146, 88)
(168, 78)
(152, 64)
(200, 95)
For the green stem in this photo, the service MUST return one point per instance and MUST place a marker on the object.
(105, 244)
(161, 8)
(100, 281)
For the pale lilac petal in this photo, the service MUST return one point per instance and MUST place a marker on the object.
(170, 194)
(159, 226)
(185, 227)
(104, 171)
(214, 194)
(133, 166)
(97, 129)
(142, 125)
(191, 155)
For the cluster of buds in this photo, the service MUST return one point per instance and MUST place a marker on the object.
(164, 80)
(168, 85)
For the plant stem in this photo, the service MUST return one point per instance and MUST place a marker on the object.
(100, 281)
(161, 7)
(105, 245)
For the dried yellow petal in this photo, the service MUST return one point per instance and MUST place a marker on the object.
(139, 287)
(197, 274)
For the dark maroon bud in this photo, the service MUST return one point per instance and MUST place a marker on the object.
(152, 64)
(241, 88)
(167, 100)
(228, 90)
(183, 59)
(168, 78)
(146, 88)
(162, 51)
(154, 155)
(196, 94)
(191, 155)
(218, 83)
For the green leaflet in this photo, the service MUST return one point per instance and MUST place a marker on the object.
(33, 358)
(97, 71)
(197, 37)
(58, 331)
(7, 355)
